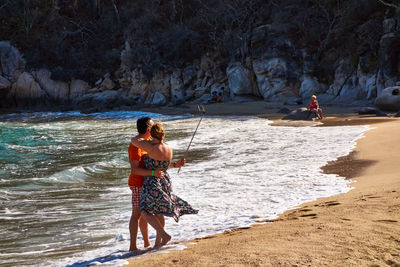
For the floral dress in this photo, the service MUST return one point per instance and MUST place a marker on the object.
(157, 197)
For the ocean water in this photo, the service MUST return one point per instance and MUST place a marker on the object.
(64, 199)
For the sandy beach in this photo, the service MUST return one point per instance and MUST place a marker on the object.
(359, 228)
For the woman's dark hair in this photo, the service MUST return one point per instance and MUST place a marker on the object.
(143, 124)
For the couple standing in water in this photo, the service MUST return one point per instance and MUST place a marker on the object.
(152, 197)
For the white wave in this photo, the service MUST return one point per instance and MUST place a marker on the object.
(252, 171)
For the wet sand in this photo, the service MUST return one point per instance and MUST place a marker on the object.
(359, 228)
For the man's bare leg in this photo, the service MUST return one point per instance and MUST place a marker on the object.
(145, 231)
(133, 227)
(155, 223)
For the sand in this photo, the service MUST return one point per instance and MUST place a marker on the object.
(359, 228)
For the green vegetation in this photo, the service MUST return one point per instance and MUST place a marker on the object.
(83, 39)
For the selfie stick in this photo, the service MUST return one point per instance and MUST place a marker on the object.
(203, 111)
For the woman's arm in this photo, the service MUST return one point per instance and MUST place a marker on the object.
(142, 144)
(178, 164)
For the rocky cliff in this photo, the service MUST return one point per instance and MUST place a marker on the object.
(126, 54)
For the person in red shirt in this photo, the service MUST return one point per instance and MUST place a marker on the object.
(135, 183)
(313, 106)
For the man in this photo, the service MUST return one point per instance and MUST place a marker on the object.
(136, 181)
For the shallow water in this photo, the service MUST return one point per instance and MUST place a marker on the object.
(64, 198)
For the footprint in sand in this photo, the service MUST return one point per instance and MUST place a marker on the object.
(332, 203)
(372, 196)
(314, 215)
(305, 210)
(387, 221)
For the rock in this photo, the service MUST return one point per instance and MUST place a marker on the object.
(370, 86)
(4, 83)
(284, 111)
(239, 80)
(126, 80)
(206, 62)
(342, 74)
(293, 101)
(160, 82)
(83, 103)
(397, 114)
(300, 114)
(203, 81)
(107, 83)
(309, 86)
(78, 88)
(12, 65)
(93, 90)
(27, 92)
(199, 91)
(388, 51)
(367, 110)
(326, 98)
(156, 98)
(27, 87)
(126, 58)
(200, 75)
(125, 100)
(203, 99)
(98, 102)
(351, 84)
(209, 82)
(389, 99)
(380, 113)
(98, 82)
(5, 87)
(188, 74)
(135, 82)
(57, 90)
(372, 111)
(177, 88)
(389, 25)
(274, 79)
(189, 94)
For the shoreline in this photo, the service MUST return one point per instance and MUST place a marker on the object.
(319, 220)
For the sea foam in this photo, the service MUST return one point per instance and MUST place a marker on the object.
(239, 170)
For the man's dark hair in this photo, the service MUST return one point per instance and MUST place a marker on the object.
(143, 124)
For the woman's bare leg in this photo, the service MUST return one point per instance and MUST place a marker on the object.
(320, 113)
(155, 223)
(160, 218)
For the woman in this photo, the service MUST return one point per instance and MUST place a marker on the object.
(314, 107)
(157, 198)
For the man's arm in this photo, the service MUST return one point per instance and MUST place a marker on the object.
(144, 172)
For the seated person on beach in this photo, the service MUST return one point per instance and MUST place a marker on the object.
(213, 98)
(313, 106)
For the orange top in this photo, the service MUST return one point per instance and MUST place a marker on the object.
(136, 153)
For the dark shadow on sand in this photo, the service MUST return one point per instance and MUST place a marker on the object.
(120, 254)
